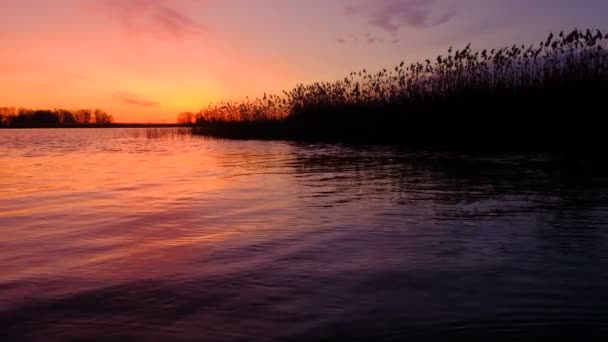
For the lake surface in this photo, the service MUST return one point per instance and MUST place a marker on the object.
(122, 234)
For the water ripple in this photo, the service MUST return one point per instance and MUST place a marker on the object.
(113, 233)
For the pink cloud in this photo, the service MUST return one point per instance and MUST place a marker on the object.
(42, 70)
(351, 9)
(160, 18)
(391, 15)
(136, 100)
(371, 39)
(77, 76)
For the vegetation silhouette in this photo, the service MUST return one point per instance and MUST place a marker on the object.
(163, 132)
(547, 94)
(11, 117)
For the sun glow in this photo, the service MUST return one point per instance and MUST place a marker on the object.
(145, 61)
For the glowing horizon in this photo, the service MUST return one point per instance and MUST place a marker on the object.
(148, 60)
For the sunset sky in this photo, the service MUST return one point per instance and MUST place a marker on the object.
(147, 60)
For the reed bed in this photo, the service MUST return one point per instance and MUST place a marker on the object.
(538, 91)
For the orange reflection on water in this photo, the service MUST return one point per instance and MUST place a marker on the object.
(111, 204)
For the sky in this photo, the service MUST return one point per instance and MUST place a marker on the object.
(148, 60)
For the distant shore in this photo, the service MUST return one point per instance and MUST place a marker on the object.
(13, 117)
(113, 125)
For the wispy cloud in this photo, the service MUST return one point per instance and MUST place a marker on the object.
(78, 77)
(371, 39)
(40, 68)
(392, 15)
(136, 100)
(368, 38)
(159, 18)
(351, 9)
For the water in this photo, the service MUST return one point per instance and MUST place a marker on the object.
(108, 234)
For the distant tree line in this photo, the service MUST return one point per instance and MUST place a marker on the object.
(11, 117)
(187, 118)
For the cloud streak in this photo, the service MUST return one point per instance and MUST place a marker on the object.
(159, 18)
(136, 100)
(392, 15)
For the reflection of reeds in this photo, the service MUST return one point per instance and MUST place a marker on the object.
(165, 132)
(566, 71)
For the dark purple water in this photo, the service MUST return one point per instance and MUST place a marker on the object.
(111, 235)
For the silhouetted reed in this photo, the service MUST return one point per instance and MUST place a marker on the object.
(164, 132)
(522, 93)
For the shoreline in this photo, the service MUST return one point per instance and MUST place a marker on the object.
(116, 125)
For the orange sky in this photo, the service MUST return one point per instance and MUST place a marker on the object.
(147, 60)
